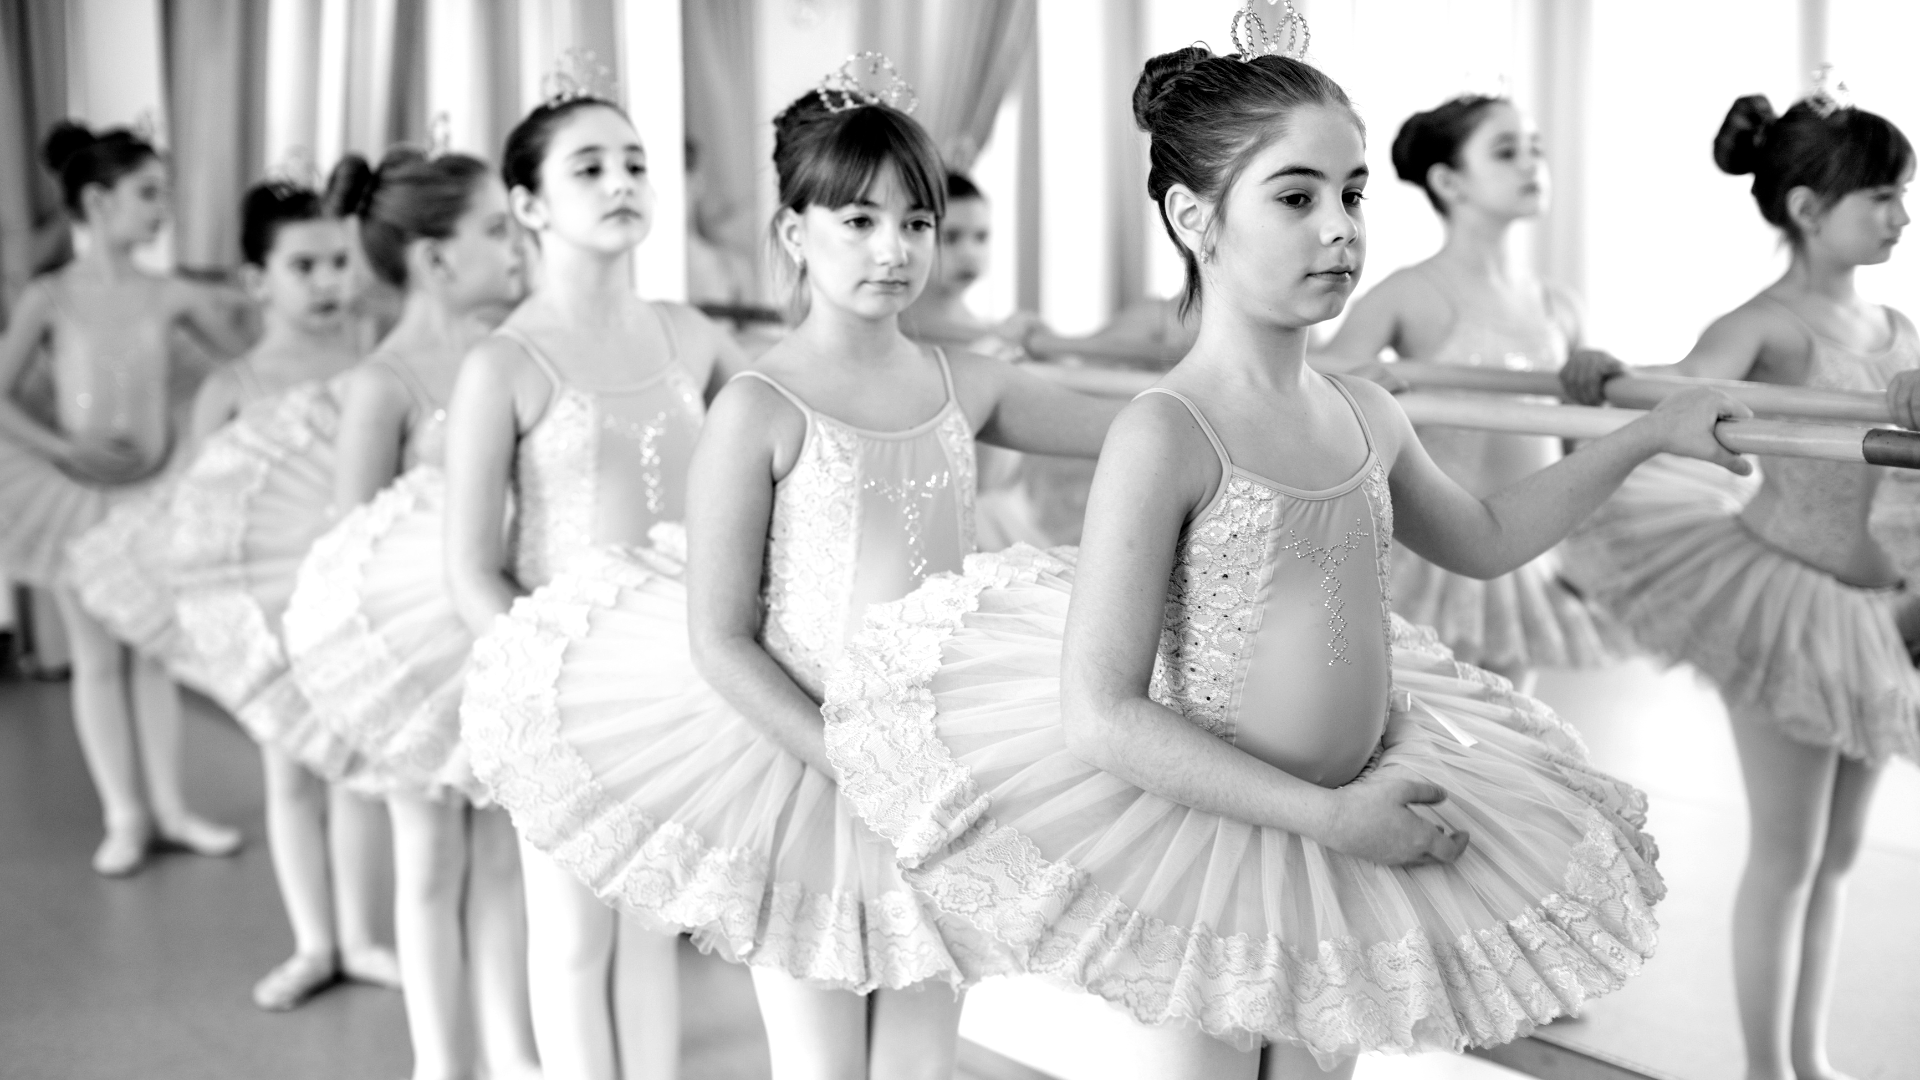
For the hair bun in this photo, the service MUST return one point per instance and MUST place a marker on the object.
(1159, 78)
(1736, 148)
(63, 142)
(350, 187)
(807, 109)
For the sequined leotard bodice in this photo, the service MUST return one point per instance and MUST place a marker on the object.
(601, 466)
(1276, 635)
(1817, 510)
(862, 518)
(112, 379)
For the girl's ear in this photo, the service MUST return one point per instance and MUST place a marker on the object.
(529, 209)
(790, 230)
(1192, 219)
(1804, 210)
(253, 280)
(93, 202)
(1445, 182)
(425, 261)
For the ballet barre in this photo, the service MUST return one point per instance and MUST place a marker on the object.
(1646, 391)
(1859, 443)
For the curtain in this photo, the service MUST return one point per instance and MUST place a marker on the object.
(215, 95)
(962, 56)
(33, 80)
(722, 118)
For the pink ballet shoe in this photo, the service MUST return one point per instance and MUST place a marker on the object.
(375, 966)
(200, 836)
(122, 852)
(298, 978)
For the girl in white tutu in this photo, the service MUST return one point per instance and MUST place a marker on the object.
(244, 513)
(664, 741)
(577, 418)
(105, 324)
(1221, 787)
(1471, 304)
(1786, 604)
(371, 631)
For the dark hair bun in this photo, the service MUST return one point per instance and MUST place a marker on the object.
(1736, 148)
(804, 111)
(1161, 76)
(350, 186)
(63, 142)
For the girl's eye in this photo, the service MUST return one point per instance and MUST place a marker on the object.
(637, 169)
(1355, 198)
(589, 170)
(1296, 199)
(859, 221)
(920, 226)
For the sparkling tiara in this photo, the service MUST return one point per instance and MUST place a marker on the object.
(1287, 35)
(867, 78)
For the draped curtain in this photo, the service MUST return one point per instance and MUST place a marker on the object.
(33, 81)
(214, 83)
(722, 119)
(962, 56)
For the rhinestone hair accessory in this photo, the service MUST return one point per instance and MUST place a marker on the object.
(440, 134)
(1287, 34)
(867, 78)
(1829, 93)
(577, 76)
(297, 169)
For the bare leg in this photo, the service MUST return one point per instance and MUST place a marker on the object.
(915, 1033)
(429, 872)
(1176, 1052)
(813, 1033)
(102, 720)
(646, 1002)
(1789, 796)
(1853, 788)
(1280, 1061)
(357, 842)
(297, 837)
(156, 714)
(570, 937)
(497, 948)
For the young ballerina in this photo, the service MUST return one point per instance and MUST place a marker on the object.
(1787, 604)
(244, 512)
(1219, 785)
(579, 415)
(663, 742)
(107, 325)
(371, 631)
(1471, 304)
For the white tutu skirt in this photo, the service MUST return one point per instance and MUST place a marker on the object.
(121, 573)
(245, 512)
(1669, 558)
(945, 722)
(375, 642)
(1529, 618)
(45, 509)
(585, 717)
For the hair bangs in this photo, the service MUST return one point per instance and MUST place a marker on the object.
(845, 164)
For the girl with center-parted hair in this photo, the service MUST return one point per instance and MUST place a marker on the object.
(1473, 304)
(574, 421)
(1200, 771)
(666, 725)
(1788, 602)
(106, 326)
(371, 629)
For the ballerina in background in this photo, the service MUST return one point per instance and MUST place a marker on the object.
(1472, 304)
(374, 639)
(1787, 603)
(107, 325)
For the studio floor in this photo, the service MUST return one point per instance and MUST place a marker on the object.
(148, 977)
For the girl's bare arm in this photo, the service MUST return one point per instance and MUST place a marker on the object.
(497, 386)
(373, 428)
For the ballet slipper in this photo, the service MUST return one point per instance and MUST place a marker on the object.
(122, 852)
(374, 965)
(298, 978)
(200, 836)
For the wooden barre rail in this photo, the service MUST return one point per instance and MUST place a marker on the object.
(1646, 391)
(1860, 443)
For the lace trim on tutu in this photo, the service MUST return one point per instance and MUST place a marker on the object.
(121, 576)
(662, 870)
(1337, 996)
(366, 694)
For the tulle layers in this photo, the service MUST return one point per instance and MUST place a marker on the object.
(375, 643)
(1528, 618)
(245, 513)
(945, 724)
(119, 569)
(584, 716)
(45, 509)
(1670, 559)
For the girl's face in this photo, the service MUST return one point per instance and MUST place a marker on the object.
(1503, 170)
(870, 257)
(593, 184)
(307, 275)
(481, 264)
(1293, 242)
(1863, 226)
(134, 209)
(966, 235)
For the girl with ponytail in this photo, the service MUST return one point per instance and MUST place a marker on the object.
(1786, 602)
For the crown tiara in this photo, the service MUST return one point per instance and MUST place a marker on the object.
(846, 86)
(577, 76)
(297, 169)
(1829, 94)
(440, 134)
(1288, 36)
